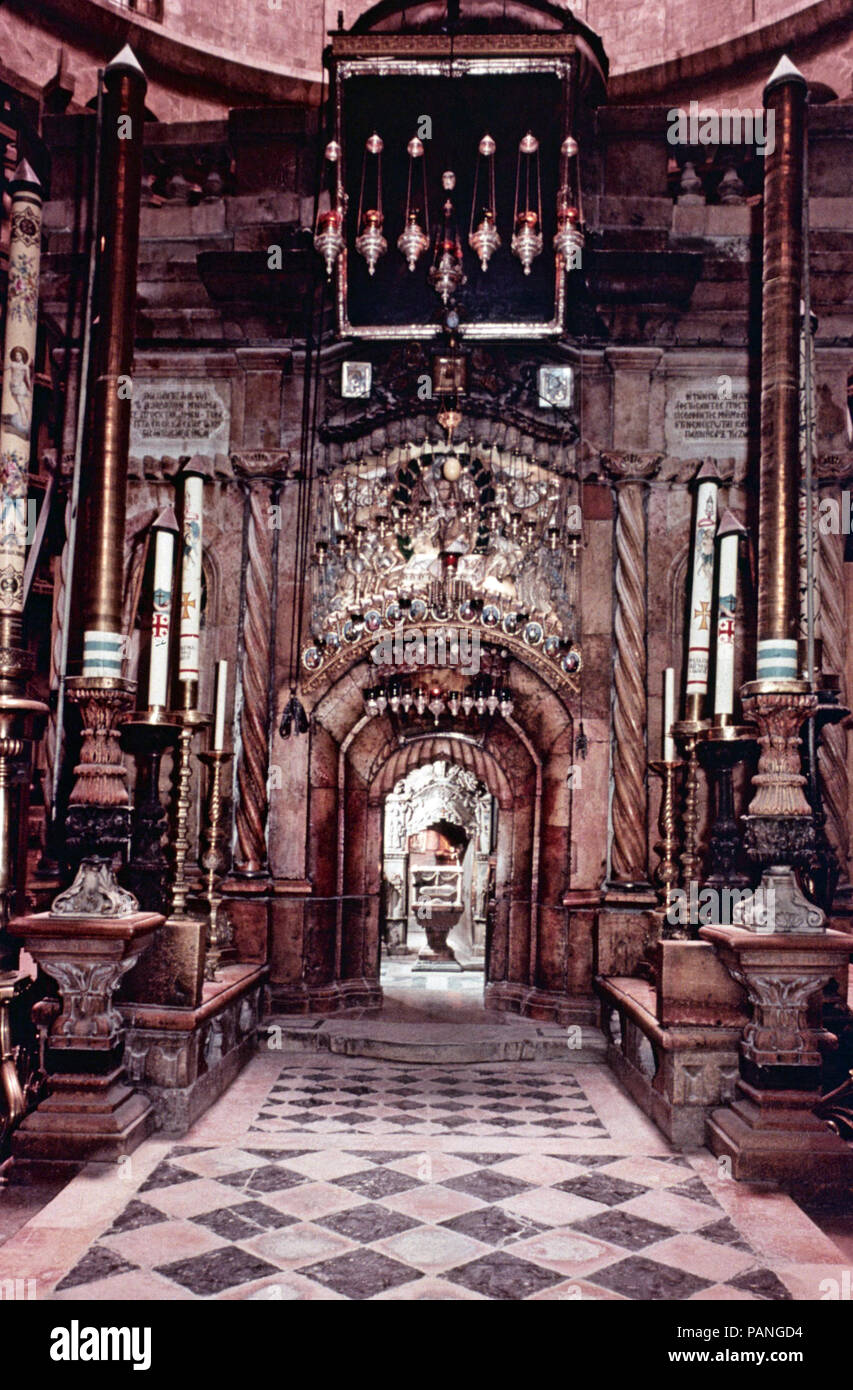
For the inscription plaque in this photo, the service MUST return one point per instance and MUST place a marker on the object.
(180, 417)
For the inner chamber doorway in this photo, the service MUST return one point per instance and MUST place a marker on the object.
(438, 874)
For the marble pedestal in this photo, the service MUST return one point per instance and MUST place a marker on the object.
(769, 1130)
(90, 1112)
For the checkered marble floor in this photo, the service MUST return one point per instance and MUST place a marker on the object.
(548, 1206)
(382, 1098)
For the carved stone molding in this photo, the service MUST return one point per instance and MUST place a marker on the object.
(252, 806)
(838, 467)
(628, 854)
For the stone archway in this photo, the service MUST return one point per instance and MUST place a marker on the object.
(325, 952)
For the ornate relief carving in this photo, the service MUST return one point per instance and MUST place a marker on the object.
(779, 1033)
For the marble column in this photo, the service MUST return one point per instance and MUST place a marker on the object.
(262, 474)
(630, 474)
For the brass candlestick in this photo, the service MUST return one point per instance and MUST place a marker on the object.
(689, 732)
(213, 861)
(189, 720)
(666, 873)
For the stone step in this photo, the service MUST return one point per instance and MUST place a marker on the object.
(433, 1042)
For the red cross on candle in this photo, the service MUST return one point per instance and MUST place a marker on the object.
(726, 630)
(160, 625)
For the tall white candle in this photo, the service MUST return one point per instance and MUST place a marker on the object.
(190, 618)
(165, 529)
(668, 714)
(219, 705)
(702, 582)
(728, 535)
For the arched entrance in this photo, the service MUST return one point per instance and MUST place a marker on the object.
(525, 762)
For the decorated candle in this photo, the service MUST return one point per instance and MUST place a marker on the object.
(165, 529)
(728, 537)
(190, 615)
(702, 584)
(18, 378)
(219, 705)
(668, 714)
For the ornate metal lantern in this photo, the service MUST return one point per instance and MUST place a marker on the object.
(569, 237)
(446, 274)
(526, 241)
(329, 232)
(484, 239)
(414, 239)
(370, 243)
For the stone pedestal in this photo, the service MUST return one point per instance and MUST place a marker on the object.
(173, 973)
(769, 1131)
(90, 1112)
(437, 955)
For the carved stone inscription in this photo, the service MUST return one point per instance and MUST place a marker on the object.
(706, 416)
(181, 417)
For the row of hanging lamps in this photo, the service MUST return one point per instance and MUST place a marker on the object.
(484, 239)
(526, 241)
(329, 232)
(569, 237)
(370, 243)
(414, 238)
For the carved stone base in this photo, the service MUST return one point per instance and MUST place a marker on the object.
(775, 1137)
(89, 1112)
(85, 1119)
(335, 997)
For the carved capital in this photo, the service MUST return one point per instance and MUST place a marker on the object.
(623, 467)
(779, 1034)
(264, 465)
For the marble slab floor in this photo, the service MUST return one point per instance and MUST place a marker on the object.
(327, 1177)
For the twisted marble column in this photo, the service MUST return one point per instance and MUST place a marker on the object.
(630, 473)
(832, 755)
(260, 532)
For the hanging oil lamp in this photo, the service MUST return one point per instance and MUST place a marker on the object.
(329, 232)
(569, 237)
(484, 239)
(414, 239)
(526, 241)
(446, 273)
(370, 243)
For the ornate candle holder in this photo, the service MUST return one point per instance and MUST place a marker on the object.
(689, 732)
(723, 747)
(666, 873)
(148, 736)
(213, 861)
(189, 720)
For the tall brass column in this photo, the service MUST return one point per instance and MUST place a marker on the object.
(99, 814)
(779, 827)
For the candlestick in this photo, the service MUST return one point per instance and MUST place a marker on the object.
(148, 737)
(729, 532)
(219, 705)
(213, 862)
(189, 720)
(190, 617)
(666, 873)
(165, 528)
(689, 732)
(668, 714)
(701, 591)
